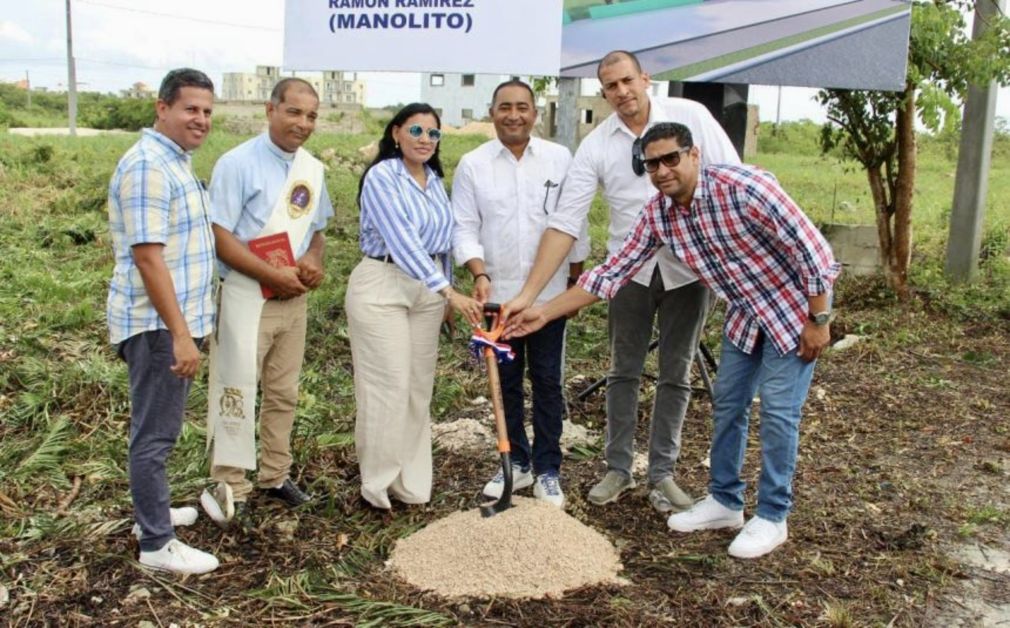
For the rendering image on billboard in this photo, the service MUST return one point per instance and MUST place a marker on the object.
(856, 44)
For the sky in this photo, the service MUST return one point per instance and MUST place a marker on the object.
(120, 42)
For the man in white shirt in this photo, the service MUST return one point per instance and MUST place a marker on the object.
(503, 194)
(610, 157)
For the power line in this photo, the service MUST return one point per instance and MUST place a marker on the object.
(38, 60)
(179, 17)
(126, 65)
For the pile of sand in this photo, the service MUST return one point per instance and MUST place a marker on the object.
(467, 435)
(531, 550)
(463, 435)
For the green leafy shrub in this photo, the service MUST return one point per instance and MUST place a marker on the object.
(129, 114)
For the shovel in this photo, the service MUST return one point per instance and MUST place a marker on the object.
(494, 331)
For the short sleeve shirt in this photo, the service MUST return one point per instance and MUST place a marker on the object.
(154, 198)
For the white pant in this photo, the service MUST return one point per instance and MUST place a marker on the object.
(393, 323)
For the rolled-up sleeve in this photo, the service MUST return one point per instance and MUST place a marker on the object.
(385, 207)
(145, 196)
(639, 246)
(778, 215)
(583, 245)
(577, 192)
(466, 216)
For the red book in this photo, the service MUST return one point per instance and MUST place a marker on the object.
(275, 250)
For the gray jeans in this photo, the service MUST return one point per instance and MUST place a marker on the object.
(157, 405)
(681, 319)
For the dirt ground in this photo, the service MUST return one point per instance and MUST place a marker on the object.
(902, 518)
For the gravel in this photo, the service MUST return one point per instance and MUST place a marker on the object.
(533, 550)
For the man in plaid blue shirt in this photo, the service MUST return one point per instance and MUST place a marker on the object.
(160, 304)
(743, 236)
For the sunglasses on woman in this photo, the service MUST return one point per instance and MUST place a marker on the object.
(416, 130)
(670, 160)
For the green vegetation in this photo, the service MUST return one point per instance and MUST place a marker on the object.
(60, 381)
(877, 130)
(96, 111)
(64, 408)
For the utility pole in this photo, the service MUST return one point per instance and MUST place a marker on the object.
(71, 78)
(973, 161)
(778, 112)
(28, 88)
(568, 115)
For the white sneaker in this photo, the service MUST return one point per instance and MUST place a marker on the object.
(708, 514)
(520, 480)
(178, 557)
(758, 537)
(548, 488)
(185, 516)
(219, 503)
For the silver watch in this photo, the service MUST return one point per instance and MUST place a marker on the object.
(821, 318)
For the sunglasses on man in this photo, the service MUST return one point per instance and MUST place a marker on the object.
(416, 130)
(640, 165)
(670, 160)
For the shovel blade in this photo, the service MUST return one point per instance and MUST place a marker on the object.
(505, 501)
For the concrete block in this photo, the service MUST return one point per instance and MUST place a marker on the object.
(855, 247)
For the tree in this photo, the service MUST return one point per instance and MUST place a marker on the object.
(877, 129)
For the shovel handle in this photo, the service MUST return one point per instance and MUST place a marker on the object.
(494, 384)
(494, 330)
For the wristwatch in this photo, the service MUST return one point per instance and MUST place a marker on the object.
(821, 318)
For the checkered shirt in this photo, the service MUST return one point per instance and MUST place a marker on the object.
(747, 240)
(154, 197)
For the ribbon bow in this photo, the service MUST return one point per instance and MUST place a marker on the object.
(480, 342)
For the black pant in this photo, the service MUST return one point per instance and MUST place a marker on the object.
(541, 352)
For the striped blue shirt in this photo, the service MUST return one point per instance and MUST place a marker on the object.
(411, 224)
(154, 197)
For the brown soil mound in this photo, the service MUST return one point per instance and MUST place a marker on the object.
(532, 550)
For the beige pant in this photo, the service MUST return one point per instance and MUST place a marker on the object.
(280, 349)
(393, 323)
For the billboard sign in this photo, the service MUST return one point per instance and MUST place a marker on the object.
(857, 44)
(471, 36)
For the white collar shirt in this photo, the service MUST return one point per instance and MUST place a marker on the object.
(604, 160)
(501, 206)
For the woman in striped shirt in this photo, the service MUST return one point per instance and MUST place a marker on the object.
(396, 300)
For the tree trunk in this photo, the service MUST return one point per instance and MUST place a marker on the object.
(904, 193)
(882, 210)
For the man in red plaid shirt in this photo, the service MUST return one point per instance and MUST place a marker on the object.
(754, 247)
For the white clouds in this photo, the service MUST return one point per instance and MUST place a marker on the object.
(12, 33)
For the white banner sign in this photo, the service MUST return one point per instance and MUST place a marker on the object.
(471, 36)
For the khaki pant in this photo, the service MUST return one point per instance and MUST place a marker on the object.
(280, 350)
(393, 322)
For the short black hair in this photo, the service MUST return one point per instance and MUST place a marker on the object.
(617, 56)
(176, 79)
(513, 83)
(281, 88)
(666, 131)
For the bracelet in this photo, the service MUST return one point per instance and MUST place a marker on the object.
(485, 275)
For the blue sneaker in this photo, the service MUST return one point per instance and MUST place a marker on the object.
(548, 488)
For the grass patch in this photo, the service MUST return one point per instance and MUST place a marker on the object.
(894, 420)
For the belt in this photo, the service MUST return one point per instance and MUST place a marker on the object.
(387, 258)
